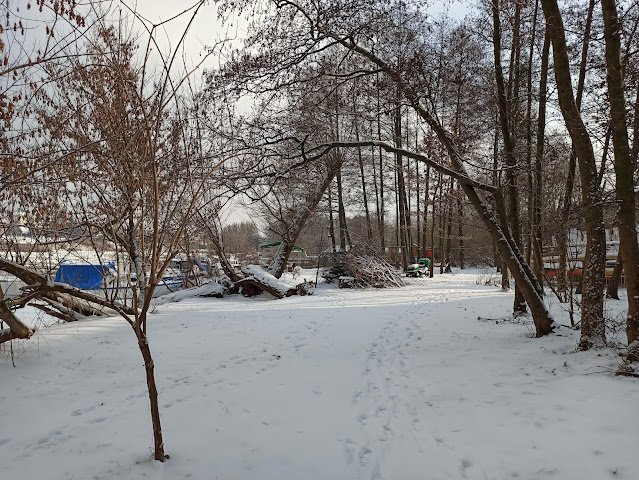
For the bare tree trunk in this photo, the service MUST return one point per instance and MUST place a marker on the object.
(634, 153)
(425, 220)
(377, 211)
(401, 192)
(417, 195)
(149, 367)
(529, 137)
(592, 323)
(407, 195)
(341, 214)
(369, 228)
(433, 222)
(441, 225)
(382, 223)
(537, 242)
(496, 255)
(460, 231)
(629, 247)
(505, 278)
(562, 241)
(612, 291)
(604, 155)
(506, 118)
(449, 232)
(331, 220)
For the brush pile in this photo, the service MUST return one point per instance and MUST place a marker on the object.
(361, 267)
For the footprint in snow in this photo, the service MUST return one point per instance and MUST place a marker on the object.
(365, 456)
(82, 411)
(349, 450)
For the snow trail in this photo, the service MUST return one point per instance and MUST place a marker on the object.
(370, 385)
(390, 425)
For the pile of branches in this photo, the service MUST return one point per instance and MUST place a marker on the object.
(365, 266)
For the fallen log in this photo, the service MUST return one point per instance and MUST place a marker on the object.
(16, 329)
(54, 313)
(39, 286)
(258, 280)
(251, 286)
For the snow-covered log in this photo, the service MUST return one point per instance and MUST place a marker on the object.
(259, 280)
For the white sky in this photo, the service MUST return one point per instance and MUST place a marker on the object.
(206, 29)
(204, 32)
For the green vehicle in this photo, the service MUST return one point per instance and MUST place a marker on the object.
(418, 269)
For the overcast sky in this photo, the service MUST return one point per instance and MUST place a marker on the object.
(206, 30)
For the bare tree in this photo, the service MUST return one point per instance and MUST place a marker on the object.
(624, 171)
(592, 323)
(121, 142)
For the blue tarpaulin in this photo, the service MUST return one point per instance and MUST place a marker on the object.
(86, 277)
(199, 264)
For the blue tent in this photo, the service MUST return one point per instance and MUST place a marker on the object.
(86, 277)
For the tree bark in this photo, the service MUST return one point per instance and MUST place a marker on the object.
(432, 226)
(449, 230)
(506, 119)
(369, 228)
(344, 241)
(629, 248)
(425, 219)
(382, 213)
(529, 135)
(373, 161)
(537, 243)
(17, 329)
(149, 368)
(592, 324)
(460, 231)
(496, 177)
(612, 291)
(562, 241)
(401, 191)
(331, 219)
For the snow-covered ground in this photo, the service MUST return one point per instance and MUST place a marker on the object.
(345, 384)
